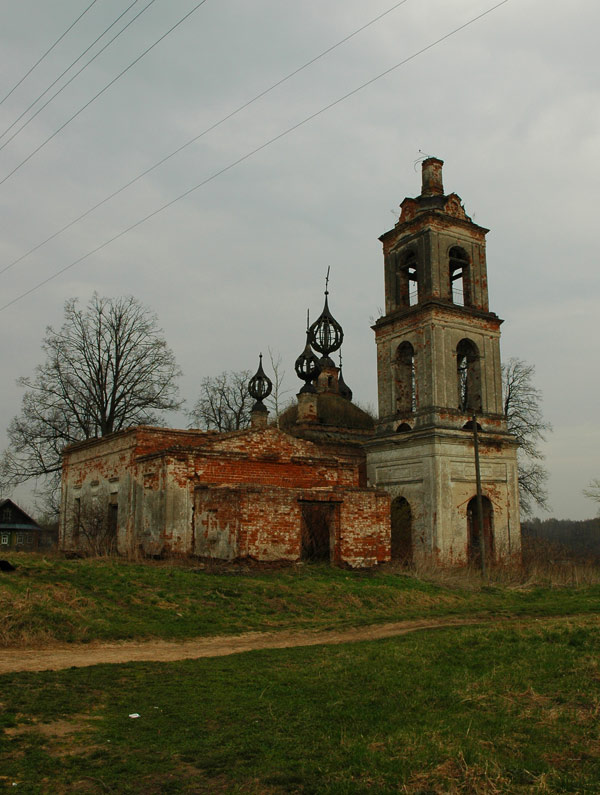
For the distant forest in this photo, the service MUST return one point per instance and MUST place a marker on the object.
(577, 538)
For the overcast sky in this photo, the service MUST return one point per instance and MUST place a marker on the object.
(510, 103)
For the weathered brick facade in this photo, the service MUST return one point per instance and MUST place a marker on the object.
(225, 496)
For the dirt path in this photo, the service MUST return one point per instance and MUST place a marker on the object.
(81, 655)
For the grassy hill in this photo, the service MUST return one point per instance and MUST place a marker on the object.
(50, 600)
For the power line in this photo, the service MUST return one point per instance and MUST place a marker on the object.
(200, 135)
(106, 87)
(251, 154)
(48, 51)
(62, 74)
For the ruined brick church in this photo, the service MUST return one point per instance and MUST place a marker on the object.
(331, 483)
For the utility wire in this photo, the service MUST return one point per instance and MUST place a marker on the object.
(100, 51)
(252, 153)
(48, 51)
(106, 87)
(62, 74)
(200, 135)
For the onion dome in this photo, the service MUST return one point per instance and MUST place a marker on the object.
(260, 387)
(326, 335)
(307, 366)
(343, 388)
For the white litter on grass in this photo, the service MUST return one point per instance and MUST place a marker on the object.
(134, 715)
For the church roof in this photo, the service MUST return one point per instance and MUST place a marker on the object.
(334, 412)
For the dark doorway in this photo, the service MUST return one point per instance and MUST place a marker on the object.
(317, 530)
(474, 545)
(402, 546)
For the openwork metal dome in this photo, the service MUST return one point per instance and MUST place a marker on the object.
(307, 366)
(326, 335)
(260, 387)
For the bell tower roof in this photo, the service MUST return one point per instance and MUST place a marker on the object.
(431, 202)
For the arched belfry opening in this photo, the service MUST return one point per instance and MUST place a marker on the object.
(402, 534)
(473, 531)
(468, 372)
(406, 388)
(459, 275)
(407, 280)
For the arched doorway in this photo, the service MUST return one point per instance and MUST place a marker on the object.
(402, 543)
(474, 546)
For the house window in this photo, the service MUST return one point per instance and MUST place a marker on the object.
(20, 539)
(460, 286)
(6, 514)
(4, 539)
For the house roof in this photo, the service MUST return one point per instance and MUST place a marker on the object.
(18, 519)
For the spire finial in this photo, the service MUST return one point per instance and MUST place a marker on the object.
(327, 281)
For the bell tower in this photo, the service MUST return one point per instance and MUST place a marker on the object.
(438, 364)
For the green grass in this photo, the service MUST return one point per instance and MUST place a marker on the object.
(52, 599)
(462, 710)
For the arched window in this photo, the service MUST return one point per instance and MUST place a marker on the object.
(473, 529)
(460, 283)
(401, 542)
(468, 369)
(406, 388)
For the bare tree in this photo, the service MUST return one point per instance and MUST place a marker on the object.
(224, 403)
(592, 492)
(107, 368)
(93, 531)
(275, 401)
(523, 410)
